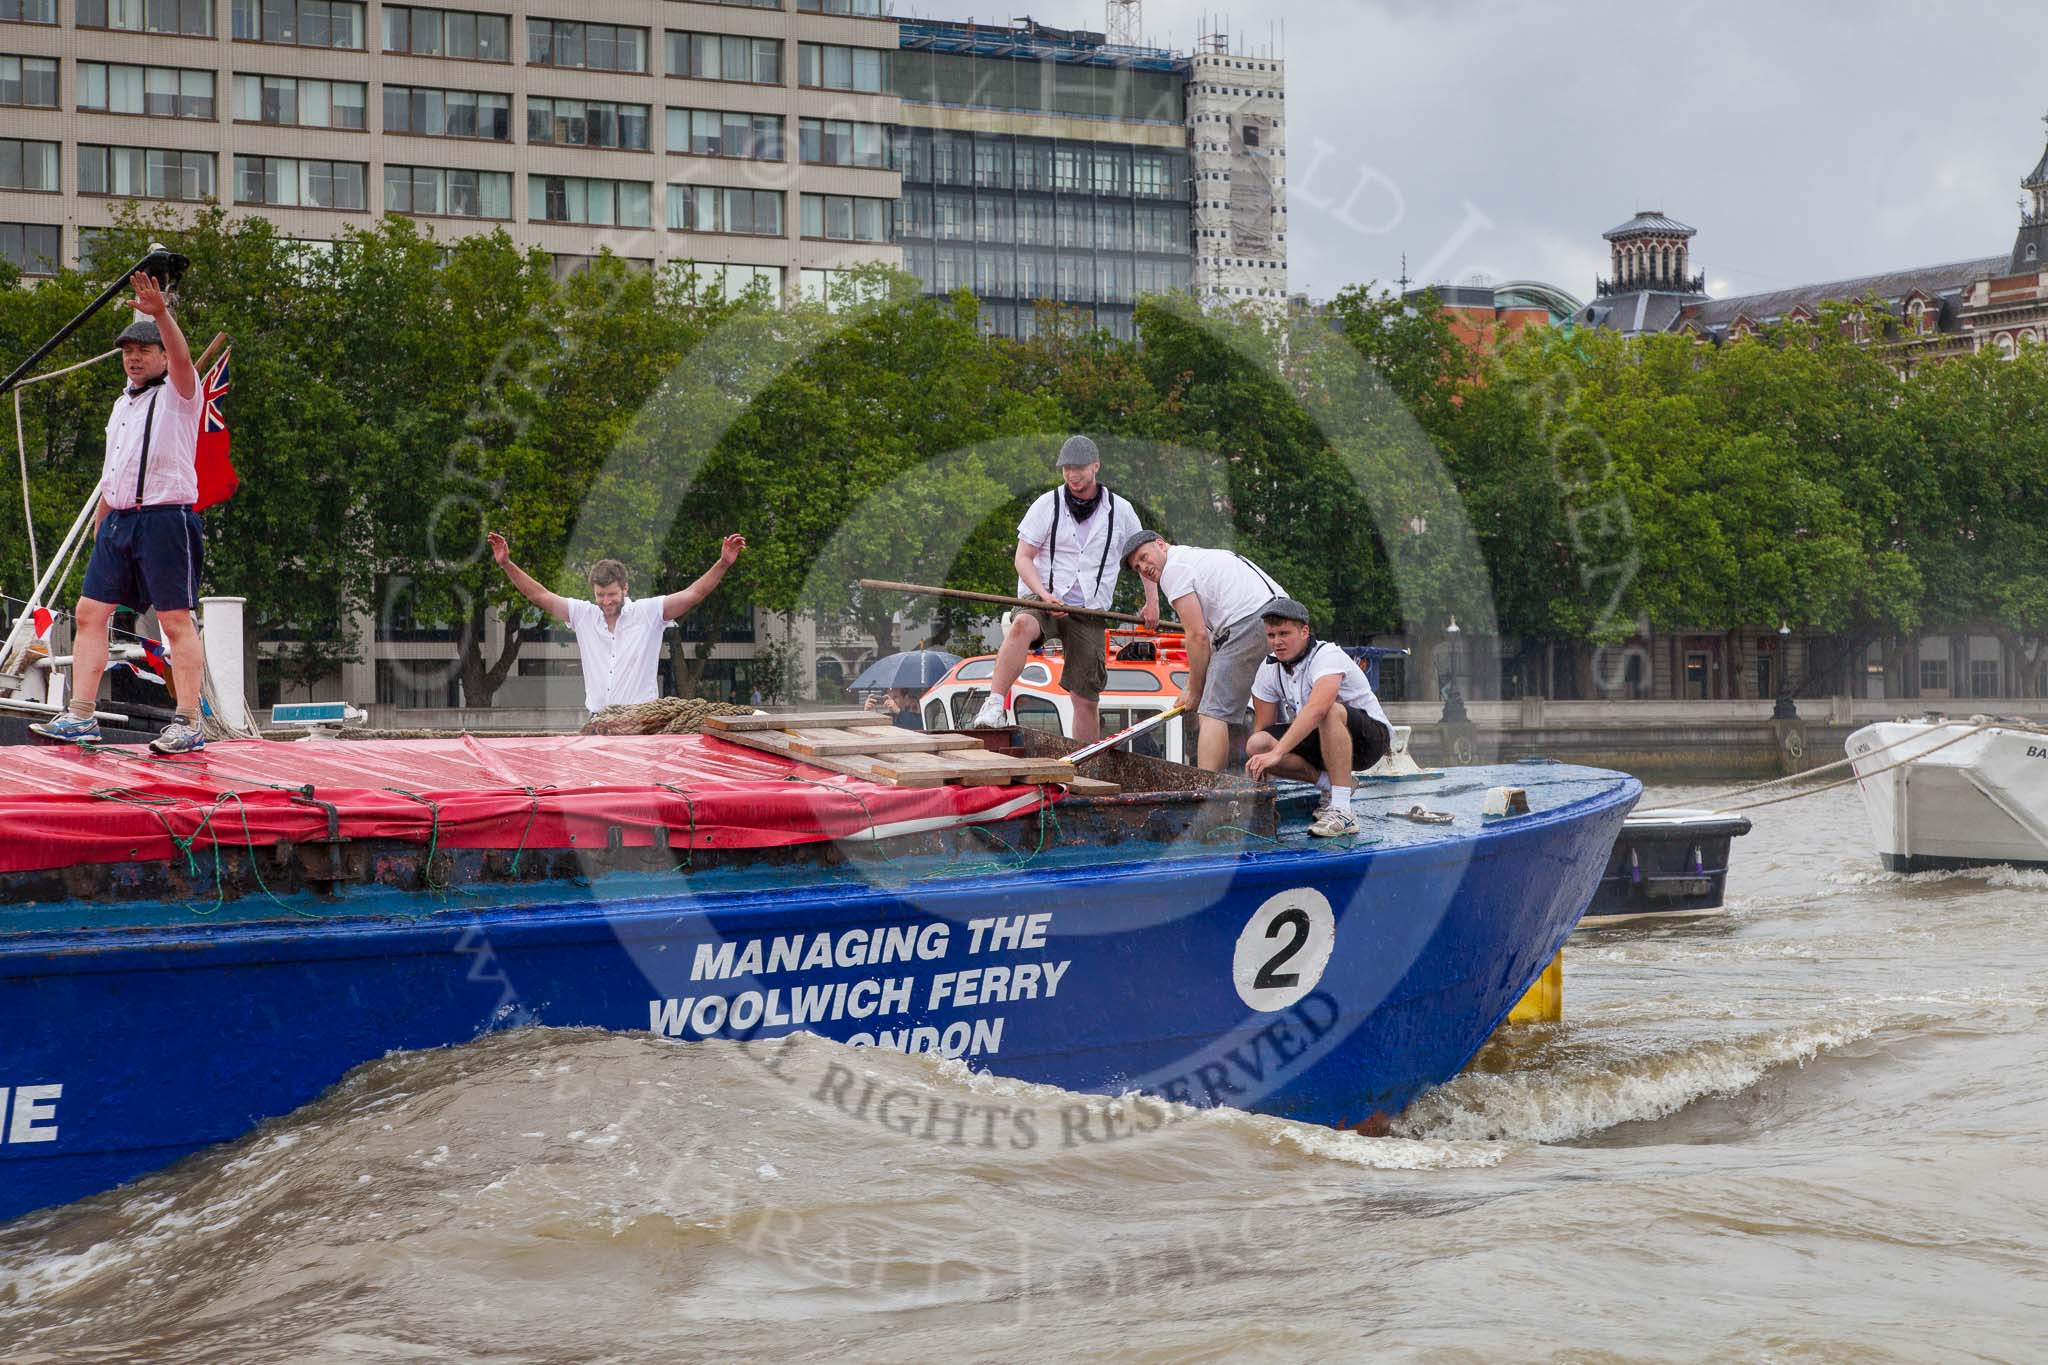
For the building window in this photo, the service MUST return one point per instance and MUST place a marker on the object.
(841, 142)
(1985, 678)
(28, 11)
(447, 33)
(31, 248)
(301, 23)
(1934, 675)
(28, 82)
(861, 9)
(447, 113)
(596, 203)
(731, 282)
(290, 182)
(713, 132)
(710, 208)
(27, 165)
(745, 4)
(144, 172)
(189, 18)
(836, 288)
(725, 57)
(845, 218)
(159, 91)
(586, 123)
(453, 194)
(593, 47)
(291, 102)
(418, 684)
(828, 66)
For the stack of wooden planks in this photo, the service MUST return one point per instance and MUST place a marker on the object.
(859, 744)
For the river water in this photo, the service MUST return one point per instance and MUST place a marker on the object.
(1811, 1128)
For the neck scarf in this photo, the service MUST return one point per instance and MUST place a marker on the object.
(1080, 509)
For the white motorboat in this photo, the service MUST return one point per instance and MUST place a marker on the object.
(1954, 793)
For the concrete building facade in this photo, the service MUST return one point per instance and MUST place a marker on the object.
(664, 130)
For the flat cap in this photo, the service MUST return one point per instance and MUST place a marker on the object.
(1138, 541)
(142, 332)
(1079, 451)
(1284, 609)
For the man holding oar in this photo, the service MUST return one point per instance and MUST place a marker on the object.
(146, 549)
(1219, 596)
(1067, 557)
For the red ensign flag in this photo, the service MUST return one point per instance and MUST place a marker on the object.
(217, 479)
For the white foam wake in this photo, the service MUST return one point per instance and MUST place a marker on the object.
(1564, 1103)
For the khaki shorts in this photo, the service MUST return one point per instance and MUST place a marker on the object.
(1086, 641)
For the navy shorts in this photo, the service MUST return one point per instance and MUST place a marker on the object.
(146, 557)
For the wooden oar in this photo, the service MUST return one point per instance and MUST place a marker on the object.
(959, 594)
(1103, 746)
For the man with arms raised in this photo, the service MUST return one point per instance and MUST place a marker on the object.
(619, 637)
(146, 548)
(1314, 716)
(1218, 595)
(1067, 557)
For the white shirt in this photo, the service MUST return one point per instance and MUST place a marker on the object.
(1077, 560)
(1229, 586)
(618, 664)
(1290, 691)
(173, 447)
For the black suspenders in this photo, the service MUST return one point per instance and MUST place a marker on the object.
(148, 421)
(1052, 547)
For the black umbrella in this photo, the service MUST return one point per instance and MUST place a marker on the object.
(916, 669)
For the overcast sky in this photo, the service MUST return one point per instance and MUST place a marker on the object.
(1806, 139)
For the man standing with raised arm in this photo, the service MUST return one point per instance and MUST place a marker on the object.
(146, 549)
(618, 637)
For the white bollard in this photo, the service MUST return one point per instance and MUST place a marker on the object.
(221, 620)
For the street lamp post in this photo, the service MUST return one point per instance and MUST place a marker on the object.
(1785, 709)
(1454, 701)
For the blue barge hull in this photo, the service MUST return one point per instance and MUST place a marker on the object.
(1326, 985)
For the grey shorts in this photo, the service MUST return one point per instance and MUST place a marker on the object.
(1233, 662)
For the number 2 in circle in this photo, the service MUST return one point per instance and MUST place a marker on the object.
(1268, 978)
(1283, 949)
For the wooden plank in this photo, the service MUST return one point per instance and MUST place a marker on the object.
(851, 765)
(1028, 769)
(1093, 786)
(820, 720)
(876, 739)
(978, 768)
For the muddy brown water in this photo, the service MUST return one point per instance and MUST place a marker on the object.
(1808, 1129)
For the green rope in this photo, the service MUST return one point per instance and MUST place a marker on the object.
(533, 813)
(867, 811)
(690, 809)
(433, 836)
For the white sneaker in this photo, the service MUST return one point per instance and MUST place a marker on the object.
(1334, 824)
(993, 715)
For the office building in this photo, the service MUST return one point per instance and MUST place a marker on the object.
(742, 134)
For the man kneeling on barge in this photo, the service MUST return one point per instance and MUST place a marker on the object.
(1314, 716)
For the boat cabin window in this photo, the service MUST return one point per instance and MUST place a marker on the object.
(976, 668)
(1036, 713)
(935, 716)
(1180, 678)
(1152, 744)
(1034, 673)
(1132, 680)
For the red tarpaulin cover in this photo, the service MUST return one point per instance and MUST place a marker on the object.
(62, 807)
